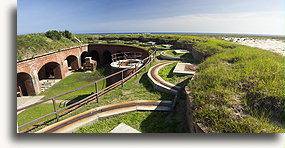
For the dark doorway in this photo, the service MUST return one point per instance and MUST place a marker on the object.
(83, 56)
(50, 70)
(95, 56)
(72, 62)
(107, 56)
(25, 85)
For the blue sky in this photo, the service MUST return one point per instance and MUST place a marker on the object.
(208, 16)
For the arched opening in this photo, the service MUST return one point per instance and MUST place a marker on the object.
(83, 56)
(72, 62)
(107, 57)
(50, 70)
(95, 55)
(25, 85)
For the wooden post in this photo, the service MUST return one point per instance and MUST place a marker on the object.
(136, 69)
(122, 78)
(96, 88)
(55, 109)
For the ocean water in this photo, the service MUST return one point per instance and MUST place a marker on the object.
(188, 33)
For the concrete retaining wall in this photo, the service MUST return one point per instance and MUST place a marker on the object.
(199, 56)
(193, 126)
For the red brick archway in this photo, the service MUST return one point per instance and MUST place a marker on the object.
(72, 62)
(51, 70)
(83, 56)
(106, 49)
(107, 55)
(25, 85)
(55, 65)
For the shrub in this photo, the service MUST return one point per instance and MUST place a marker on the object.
(53, 34)
(67, 34)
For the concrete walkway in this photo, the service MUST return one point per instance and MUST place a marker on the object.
(27, 100)
(159, 83)
(165, 56)
(93, 115)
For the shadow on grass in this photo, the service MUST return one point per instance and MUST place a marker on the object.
(78, 98)
(52, 119)
(168, 122)
(149, 87)
(160, 122)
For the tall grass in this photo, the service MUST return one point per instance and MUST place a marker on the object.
(240, 90)
(31, 45)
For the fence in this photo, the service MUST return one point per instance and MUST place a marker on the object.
(145, 62)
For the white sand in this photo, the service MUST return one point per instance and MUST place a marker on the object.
(273, 45)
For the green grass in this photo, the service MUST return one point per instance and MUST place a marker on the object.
(31, 45)
(240, 90)
(237, 89)
(145, 122)
(74, 81)
(37, 111)
(166, 73)
(137, 88)
(208, 46)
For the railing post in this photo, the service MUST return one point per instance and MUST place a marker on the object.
(136, 70)
(55, 109)
(96, 88)
(150, 60)
(17, 127)
(122, 78)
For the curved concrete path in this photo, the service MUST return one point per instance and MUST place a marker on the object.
(160, 84)
(75, 122)
(165, 56)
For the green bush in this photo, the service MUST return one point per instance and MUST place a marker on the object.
(53, 34)
(67, 34)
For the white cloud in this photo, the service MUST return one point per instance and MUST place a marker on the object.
(251, 23)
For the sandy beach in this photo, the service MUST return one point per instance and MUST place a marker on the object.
(273, 45)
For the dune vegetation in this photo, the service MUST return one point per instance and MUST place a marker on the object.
(31, 45)
(240, 90)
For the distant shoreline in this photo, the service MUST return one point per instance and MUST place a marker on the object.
(187, 33)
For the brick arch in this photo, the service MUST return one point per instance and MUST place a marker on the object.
(83, 55)
(33, 66)
(107, 57)
(95, 55)
(101, 48)
(72, 62)
(50, 70)
(25, 85)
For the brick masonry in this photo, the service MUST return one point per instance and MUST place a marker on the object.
(57, 63)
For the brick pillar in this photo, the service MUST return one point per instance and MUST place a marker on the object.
(36, 82)
(59, 71)
(30, 87)
(101, 59)
(75, 64)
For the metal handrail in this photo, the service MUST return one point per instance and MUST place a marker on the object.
(149, 59)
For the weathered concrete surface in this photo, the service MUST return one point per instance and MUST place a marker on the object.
(160, 84)
(180, 69)
(165, 56)
(91, 116)
(181, 51)
(123, 128)
(27, 100)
